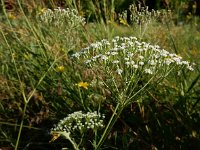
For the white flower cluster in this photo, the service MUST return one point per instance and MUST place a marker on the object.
(80, 122)
(127, 53)
(61, 17)
(141, 15)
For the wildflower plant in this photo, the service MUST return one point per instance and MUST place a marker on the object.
(61, 24)
(143, 17)
(61, 18)
(127, 66)
(125, 62)
(78, 123)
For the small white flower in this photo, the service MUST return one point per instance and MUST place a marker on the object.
(123, 44)
(177, 60)
(141, 57)
(88, 61)
(114, 40)
(95, 57)
(123, 47)
(107, 53)
(138, 43)
(143, 43)
(77, 55)
(114, 53)
(94, 45)
(115, 49)
(164, 53)
(135, 66)
(148, 71)
(172, 55)
(126, 58)
(127, 63)
(168, 61)
(157, 46)
(185, 62)
(190, 68)
(156, 56)
(152, 62)
(130, 54)
(126, 39)
(103, 57)
(141, 63)
(115, 62)
(140, 49)
(130, 43)
(146, 45)
(132, 62)
(133, 38)
(117, 38)
(119, 71)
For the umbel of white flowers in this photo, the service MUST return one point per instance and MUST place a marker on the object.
(61, 18)
(79, 121)
(127, 53)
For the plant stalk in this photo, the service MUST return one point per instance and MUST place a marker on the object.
(21, 126)
(119, 108)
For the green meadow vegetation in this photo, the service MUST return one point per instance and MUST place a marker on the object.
(99, 75)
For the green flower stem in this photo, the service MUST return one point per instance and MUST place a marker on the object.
(74, 144)
(81, 140)
(26, 101)
(21, 126)
(95, 140)
(82, 102)
(129, 99)
(119, 108)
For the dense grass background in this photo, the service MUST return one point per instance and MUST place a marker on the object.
(35, 92)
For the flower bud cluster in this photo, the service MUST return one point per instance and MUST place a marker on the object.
(78, 121)
(59, 17)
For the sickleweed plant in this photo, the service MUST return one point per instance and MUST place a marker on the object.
(76, 125)
(143, 17)
(61, 24)
(127, 67)
(61, 18)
